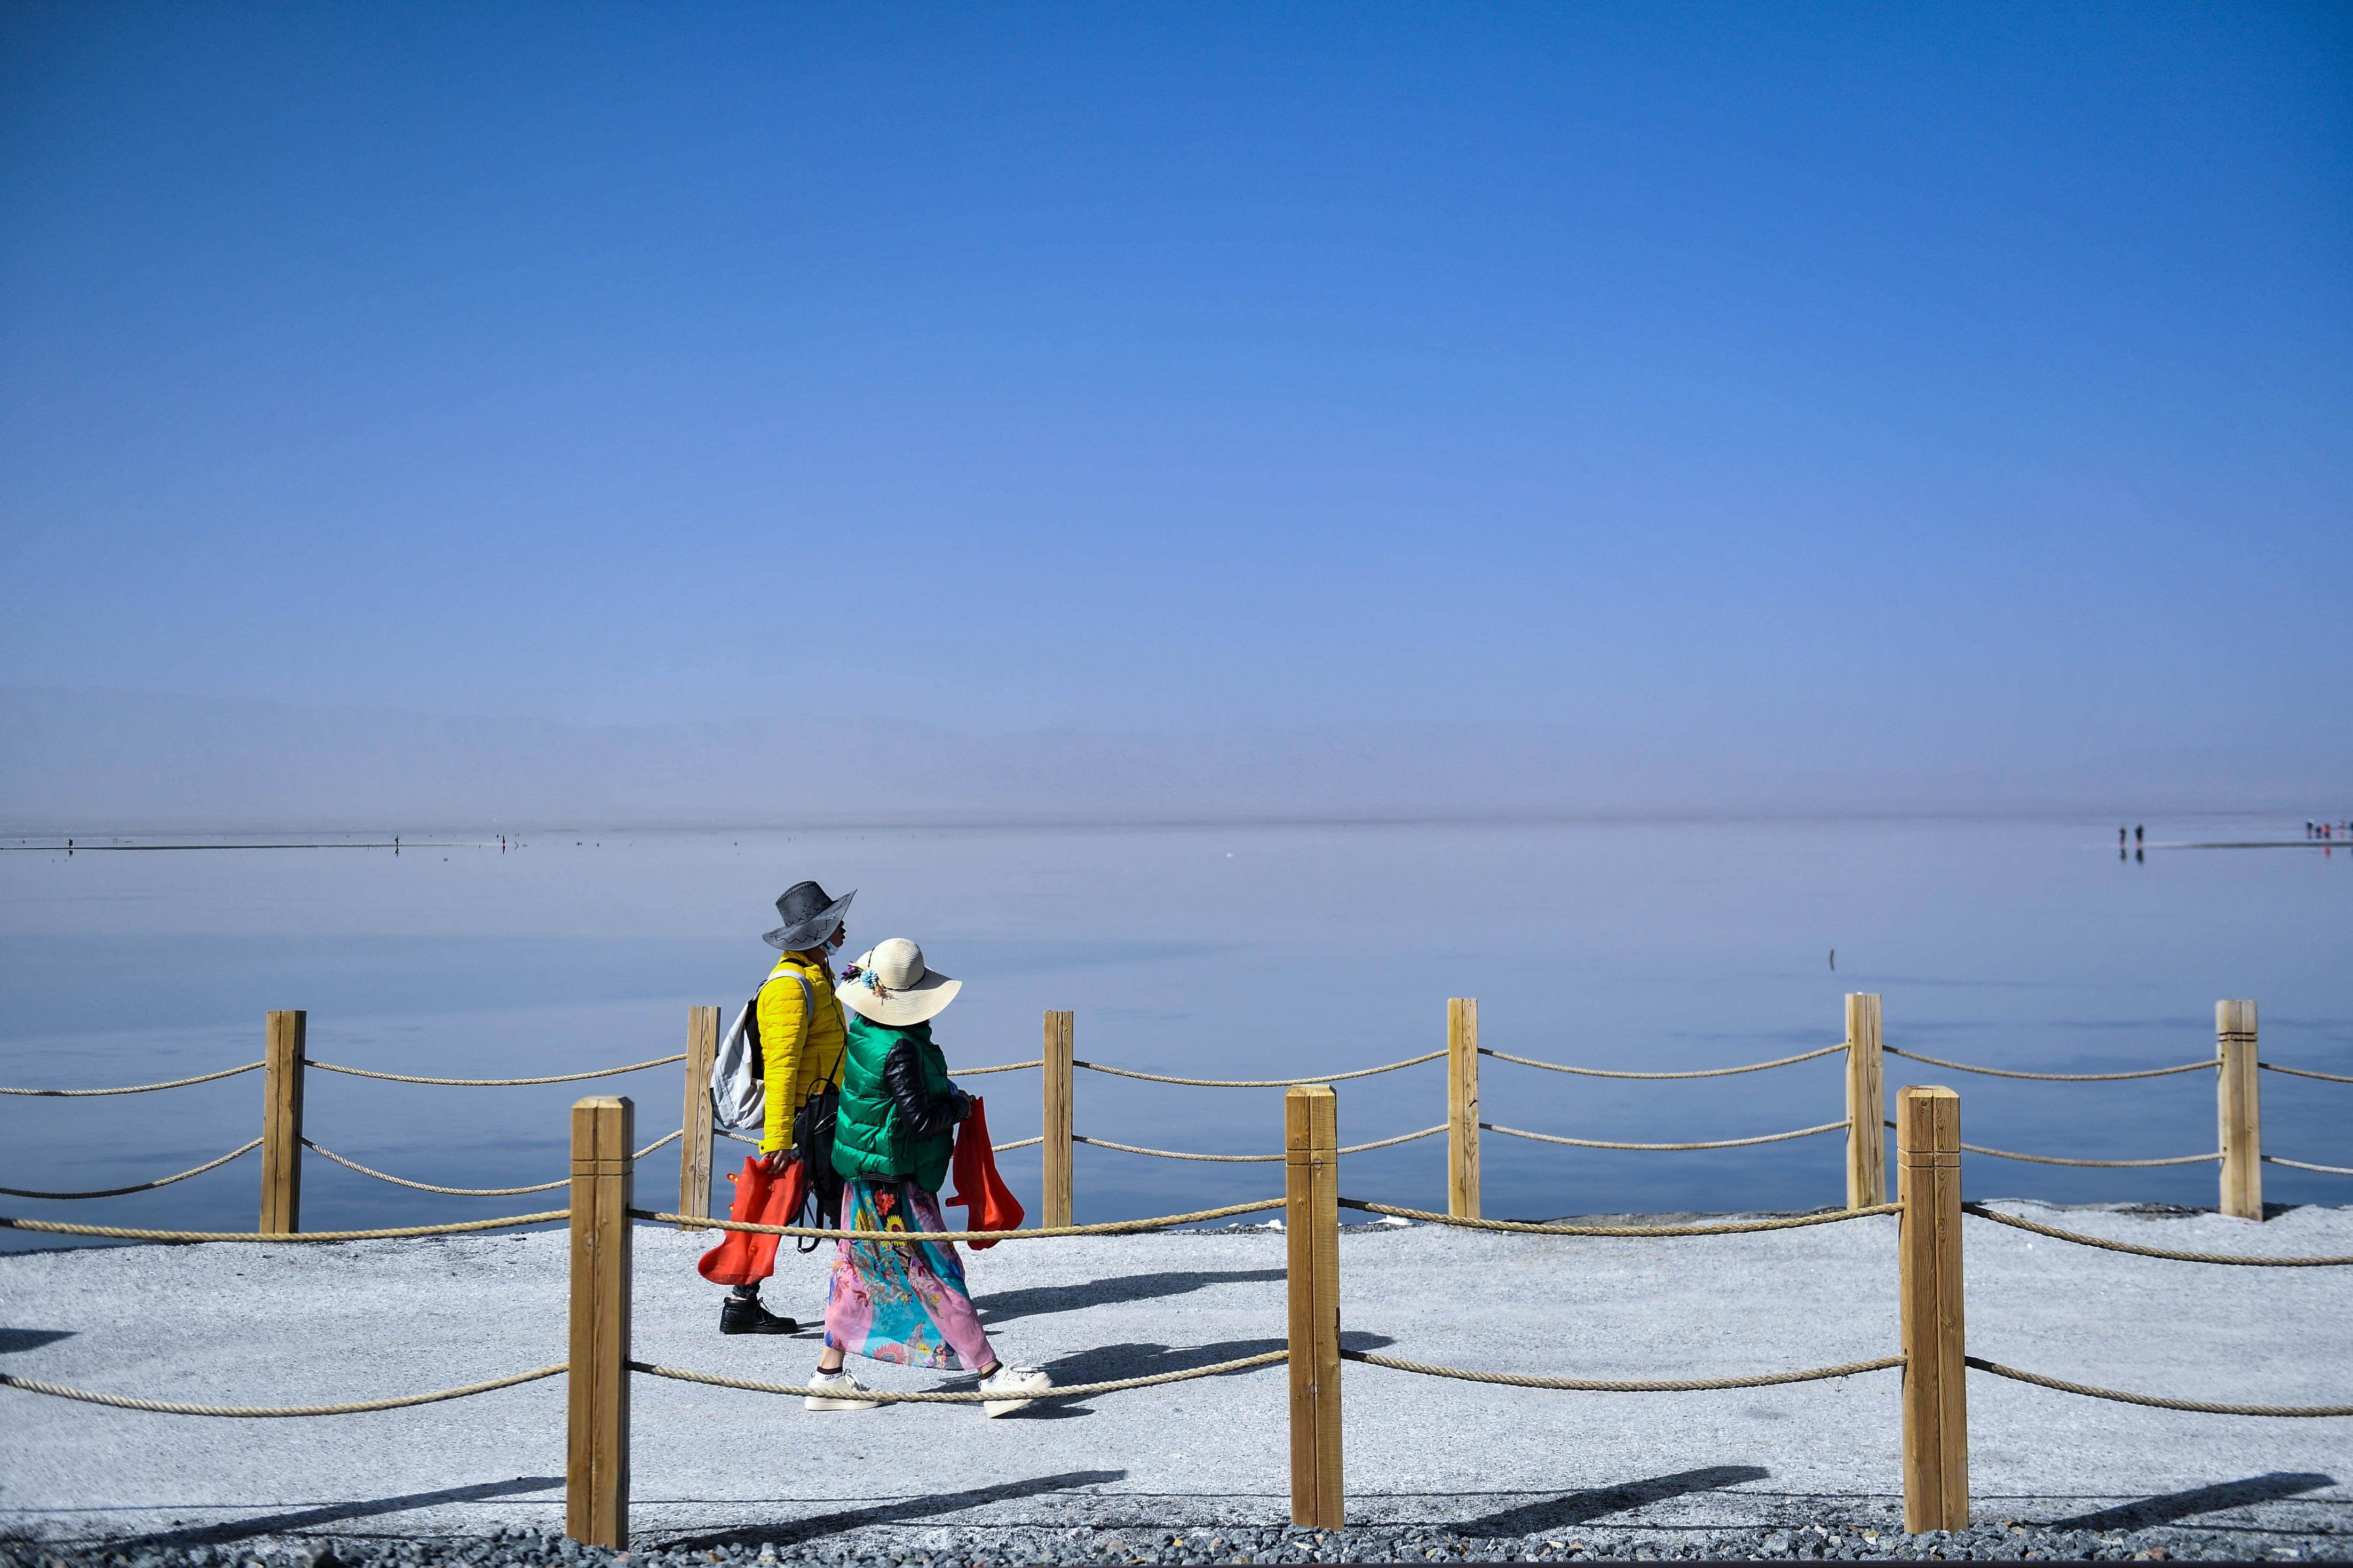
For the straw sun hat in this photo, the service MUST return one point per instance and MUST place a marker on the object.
(893, 986)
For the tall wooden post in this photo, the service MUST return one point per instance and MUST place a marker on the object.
(281, 1123)
(1936, 1387)
(2238, 1109)
(597, 1455)
(1310, 1217)
(695, 1123)
(1057, 1123)
(1866, 1112)
(1462, 1107)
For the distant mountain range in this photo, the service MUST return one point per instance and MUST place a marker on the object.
(97, 760)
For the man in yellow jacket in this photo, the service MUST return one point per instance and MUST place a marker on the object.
(801, 1044)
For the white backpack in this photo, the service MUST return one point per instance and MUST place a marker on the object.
(739, 1094)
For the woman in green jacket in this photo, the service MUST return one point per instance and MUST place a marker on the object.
(896, 1129)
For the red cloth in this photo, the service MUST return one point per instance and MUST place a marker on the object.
(988, 1203)
(745, 1257)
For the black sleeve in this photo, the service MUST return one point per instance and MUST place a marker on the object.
(903, 1075)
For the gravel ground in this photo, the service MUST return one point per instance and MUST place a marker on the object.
(1194, 1472)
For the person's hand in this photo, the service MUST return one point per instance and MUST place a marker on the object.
(963, 1106)
(776, 1160)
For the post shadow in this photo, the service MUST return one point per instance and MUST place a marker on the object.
(337, 1513)
(1578, 1507)
(1007, 1305)
(896, 1511)
(2168, 1507)
(13, 1340)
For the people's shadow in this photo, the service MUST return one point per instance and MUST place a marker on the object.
(1583, 1507)
(1037, 1300)
(2167, 1506)
(899, 1510)
(1114, 1363)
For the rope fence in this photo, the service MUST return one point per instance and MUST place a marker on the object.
(1624, 1385)
(2105, 1165)
(131, 1088)
(1556, 1228)
(2208, 1062)
(2267, 1066)
(2305, 1166)
(250, 1412)
(2091, 1391)
(883, 1396)
(1253, 1082)
(2017, 1222)
(492, 1082)
(1001, 1067)
(125, 1233)
(467, 1192)
(1702, 1072)
(1660, 1148)
(140, 1186)
(914, 1237)
(1245, 1159)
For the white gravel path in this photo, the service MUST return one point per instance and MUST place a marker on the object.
(304, 1323)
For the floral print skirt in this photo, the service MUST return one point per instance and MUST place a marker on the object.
(900, 1303)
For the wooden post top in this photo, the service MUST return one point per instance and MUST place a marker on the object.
(1927, 1126)
(2234, 1017)
(601, 1132)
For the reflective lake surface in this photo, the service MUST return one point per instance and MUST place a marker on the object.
(1222, 951)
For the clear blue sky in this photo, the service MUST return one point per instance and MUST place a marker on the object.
(1981, 376)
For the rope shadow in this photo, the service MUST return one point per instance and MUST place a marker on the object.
(1583, 1507)
(1038, 1300)
(899, 1512)
(335, 1513)
(2168, 1507)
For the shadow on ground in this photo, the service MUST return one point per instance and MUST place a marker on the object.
(1007, 1305)
(337, 1513)
(1583, 1507)
(899, 1510)
(2169, 1507)
(13, 1339)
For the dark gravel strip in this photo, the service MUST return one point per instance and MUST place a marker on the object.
(1826, 1535)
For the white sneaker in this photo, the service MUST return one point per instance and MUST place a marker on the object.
(837, 1384)
(1012, 1381)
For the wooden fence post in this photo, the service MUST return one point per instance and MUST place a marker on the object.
(1462, 1107)
(597, 1455)
(694, 1139)
(1057, 1122)
(2238, 1109)
(1311, 1218)
(1866, 1112)
(1936, 1388)
(281, 1123)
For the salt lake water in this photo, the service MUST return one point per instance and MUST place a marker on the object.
(1209, 951)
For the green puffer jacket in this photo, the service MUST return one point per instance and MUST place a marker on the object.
(876, 1136)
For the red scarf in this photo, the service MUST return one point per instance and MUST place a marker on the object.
(987, 1202)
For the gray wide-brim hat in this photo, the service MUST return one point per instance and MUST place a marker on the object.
(811, 916)
(895, 986)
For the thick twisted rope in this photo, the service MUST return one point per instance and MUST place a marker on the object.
(2016, 1223)
(2052, 1077)
(1531, 1228)
(469, 1192)
(1002, 1067)
(1255, 1082)
(1249, 1159)
(878, 1396)
(124, 1233)
(2152, 1401)
(2105, 1165)
(143, 1187)
(2267, 1066)
(1703, 1072)
(131, 1089)
(493, 1082)
(910, 1238)
(355, 1407)
(1616, 1385)
(2303, 1165)
(1016, 1143)
(1717, 1144)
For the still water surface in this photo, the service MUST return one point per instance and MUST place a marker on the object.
(1216, 952)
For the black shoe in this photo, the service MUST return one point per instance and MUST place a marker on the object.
(744, 1315)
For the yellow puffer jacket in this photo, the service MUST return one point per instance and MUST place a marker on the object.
(797, 1053)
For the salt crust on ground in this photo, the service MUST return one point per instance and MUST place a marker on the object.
(295, 1324)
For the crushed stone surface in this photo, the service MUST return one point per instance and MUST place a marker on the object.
(1194, 1472)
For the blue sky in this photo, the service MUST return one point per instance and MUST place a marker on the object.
(1980, 378)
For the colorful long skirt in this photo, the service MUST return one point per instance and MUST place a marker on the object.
(900, 1303)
